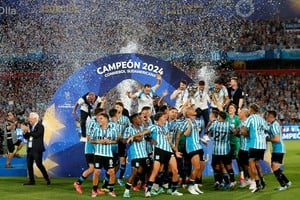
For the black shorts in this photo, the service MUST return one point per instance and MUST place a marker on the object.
(103, 162)
(277, 158)
(89, 158)
(219, 159)
(162, 156)
(122, 149)
(234, 151)
(18, 142)
(151, 159)
(244, 157)
(116, 159)
(140, 162)
(197, 152)
(11, 145)
(256, 154)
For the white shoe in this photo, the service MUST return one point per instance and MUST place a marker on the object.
(147, 194)
(249, 181)
(232, 185)
(191, 189)
(83, 139)
(126, 194)
(121, 182)
(160, 190)
(176, 193)
(281, 188)
(252, 185)
(112, 194)
(165, 186)
(155, 187)
(243, 184)
(197, 189)
(289, 184)
(256, 189)
(169, 191)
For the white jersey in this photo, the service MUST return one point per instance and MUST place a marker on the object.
(85, 107)
(181, 98)
(145, 99)
(201, 99)
(218, 96)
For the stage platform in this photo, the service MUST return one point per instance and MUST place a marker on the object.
(19, 167)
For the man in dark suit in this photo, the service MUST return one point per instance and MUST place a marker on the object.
(34, 133)
(235, 93)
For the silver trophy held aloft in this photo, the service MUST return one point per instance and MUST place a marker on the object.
(192, 89)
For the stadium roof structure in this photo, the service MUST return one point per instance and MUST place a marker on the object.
(156, 9)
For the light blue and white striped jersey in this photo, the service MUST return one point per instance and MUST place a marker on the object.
(256, 127)
(220, 134)
(172, 127)
(192, 140)
(149, 123)
(244, 139)
(118, 129)
(274, 129)
(136, 148)
(200, 124)
(88, 147)
(123, 122)
(100, 133)
(160, 134)
(149, 146)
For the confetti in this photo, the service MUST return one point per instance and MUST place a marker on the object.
(44, 42)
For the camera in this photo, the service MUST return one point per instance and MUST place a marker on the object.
(21, 120)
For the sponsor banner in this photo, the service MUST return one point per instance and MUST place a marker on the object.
(183, 10)
(291, 54)
(291, 132)
(292, 26)
(253, 55)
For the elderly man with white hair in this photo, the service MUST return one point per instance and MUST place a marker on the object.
(34, 133)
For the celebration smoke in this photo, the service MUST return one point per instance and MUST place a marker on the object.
(132, 47)
(207, 73)
(122, 88)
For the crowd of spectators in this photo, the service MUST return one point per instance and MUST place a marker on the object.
(69, 41)
(89, 34)
(274, 92)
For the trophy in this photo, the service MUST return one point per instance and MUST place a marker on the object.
(192, 89)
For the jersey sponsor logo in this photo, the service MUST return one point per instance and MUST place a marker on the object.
(97, 165)
(111, 163)
(157, 157)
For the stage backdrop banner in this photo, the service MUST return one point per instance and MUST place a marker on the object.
(64, 156)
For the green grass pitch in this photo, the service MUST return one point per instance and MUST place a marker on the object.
(62, 188)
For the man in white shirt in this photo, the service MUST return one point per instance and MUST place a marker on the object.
(181, 94)
(145, 97)
(219, 96)
(87, 103)
(201, 100)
